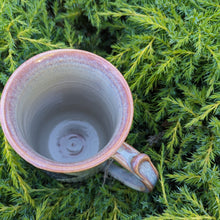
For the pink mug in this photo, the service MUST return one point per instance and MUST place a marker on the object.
(68, 112)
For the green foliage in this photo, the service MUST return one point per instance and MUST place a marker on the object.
(168, 52)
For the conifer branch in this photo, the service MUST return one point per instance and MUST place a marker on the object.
(162, 181)
(14, 168)
(148, 50)
(169, 53)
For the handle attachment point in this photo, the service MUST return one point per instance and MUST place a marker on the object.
(140, 168)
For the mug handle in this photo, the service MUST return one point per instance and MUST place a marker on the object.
(142, 175)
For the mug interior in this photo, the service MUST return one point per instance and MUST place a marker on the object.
(67, 106)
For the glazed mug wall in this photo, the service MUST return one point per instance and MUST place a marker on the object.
(68, 112)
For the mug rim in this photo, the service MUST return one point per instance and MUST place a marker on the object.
(42, 162)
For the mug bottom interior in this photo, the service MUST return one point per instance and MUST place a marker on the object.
(67, 134)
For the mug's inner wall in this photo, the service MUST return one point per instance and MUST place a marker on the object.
(68, 111)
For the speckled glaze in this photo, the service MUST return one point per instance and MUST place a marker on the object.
(97, 110)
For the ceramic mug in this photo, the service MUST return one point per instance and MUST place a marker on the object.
(68, 112)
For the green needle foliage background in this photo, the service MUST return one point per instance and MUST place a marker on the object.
(169, 53)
